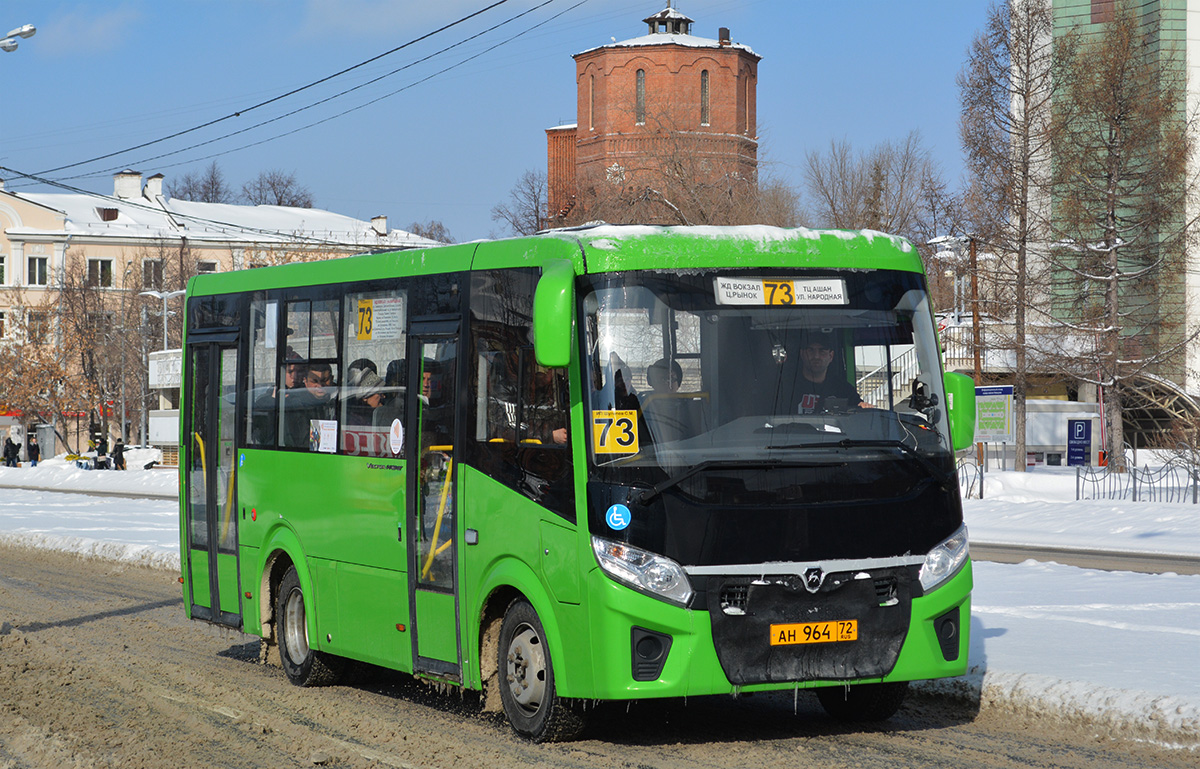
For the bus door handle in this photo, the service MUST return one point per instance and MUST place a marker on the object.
(400, 532)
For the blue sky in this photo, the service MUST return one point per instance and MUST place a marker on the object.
(101, 77)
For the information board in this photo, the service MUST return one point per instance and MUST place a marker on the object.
(993, 414)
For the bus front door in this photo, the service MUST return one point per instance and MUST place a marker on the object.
(210, 563)
(432, 520)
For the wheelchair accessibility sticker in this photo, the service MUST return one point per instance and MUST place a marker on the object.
(618, 517)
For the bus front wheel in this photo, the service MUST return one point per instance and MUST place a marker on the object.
(527, 680)
(303, 665)
(863, 702)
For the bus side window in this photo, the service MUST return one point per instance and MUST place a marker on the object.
(521, 435)
(260, 383)
(374, 345)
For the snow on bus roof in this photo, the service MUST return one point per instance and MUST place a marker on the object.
(605, 236)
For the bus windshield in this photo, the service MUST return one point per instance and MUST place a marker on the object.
(797, 388)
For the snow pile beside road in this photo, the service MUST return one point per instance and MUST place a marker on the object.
(57, 474)
(137, 555)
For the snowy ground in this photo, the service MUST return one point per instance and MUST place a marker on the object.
(1115, 648)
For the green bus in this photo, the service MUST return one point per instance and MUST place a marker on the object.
(608, 463)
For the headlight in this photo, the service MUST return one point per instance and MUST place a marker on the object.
(643, 570)
(945, 559)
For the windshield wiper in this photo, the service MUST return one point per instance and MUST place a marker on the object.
(943, 478)
(646, 495)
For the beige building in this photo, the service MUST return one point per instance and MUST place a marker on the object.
(133, 241)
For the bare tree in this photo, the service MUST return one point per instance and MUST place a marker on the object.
(1005, 87)
(276, 188)
(88, 311)
(1120, 191)
(432, 229)
(888, 188)
(208, 186)
(33, 368)
(525, 209)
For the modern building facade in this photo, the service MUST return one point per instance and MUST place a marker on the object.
(1165, 311)
(650, 106)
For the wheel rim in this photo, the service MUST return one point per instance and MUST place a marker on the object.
(295, 628)
(526, 669)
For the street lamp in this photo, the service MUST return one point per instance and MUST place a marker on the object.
(9, 43)
(164, 296)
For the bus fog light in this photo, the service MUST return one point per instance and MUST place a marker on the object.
(945, 559)
(643, 570)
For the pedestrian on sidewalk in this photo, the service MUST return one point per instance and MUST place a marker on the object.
(34, 451)
(102, 460)
(12, 450)
(118, 454)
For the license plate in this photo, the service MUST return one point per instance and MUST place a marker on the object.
(814, 632)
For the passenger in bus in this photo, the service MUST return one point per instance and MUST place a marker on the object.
(312, 402)
(664, 376)
(544, 415)
(394, 387)
(364, 395)
(816, 386)
(671, 417)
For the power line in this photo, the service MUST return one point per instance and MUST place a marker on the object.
(274, 99)
(344, 93)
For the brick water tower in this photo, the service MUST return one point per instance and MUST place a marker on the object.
(652, 110)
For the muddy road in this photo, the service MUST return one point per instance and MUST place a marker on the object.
(99, 668)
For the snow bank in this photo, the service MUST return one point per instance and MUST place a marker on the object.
(57, 474)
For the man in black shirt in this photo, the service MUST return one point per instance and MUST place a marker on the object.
(815, 385)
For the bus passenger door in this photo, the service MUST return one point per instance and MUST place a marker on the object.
(432, 519)
(208, 451)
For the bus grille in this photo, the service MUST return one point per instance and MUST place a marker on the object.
(743, 611)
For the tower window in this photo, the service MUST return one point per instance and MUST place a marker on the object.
(592, 102)
(704, 114)
(641, 97)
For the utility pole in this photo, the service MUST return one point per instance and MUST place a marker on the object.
(975, 327)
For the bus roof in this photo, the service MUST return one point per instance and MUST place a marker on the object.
(596, 249)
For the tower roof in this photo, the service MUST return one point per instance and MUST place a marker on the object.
(670, 26)
(669, 21)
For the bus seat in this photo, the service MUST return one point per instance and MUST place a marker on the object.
(675, 416)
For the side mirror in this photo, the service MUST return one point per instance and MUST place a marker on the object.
(553, 314)
(960, 396)
(921, 400)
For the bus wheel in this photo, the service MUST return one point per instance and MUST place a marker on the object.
(527, 680)
(303, 665)
(863, 702)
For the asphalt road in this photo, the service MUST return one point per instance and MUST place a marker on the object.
(99, 668)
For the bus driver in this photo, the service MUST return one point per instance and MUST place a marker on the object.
(814, 384)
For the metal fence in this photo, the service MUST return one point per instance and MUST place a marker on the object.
(1176, 481)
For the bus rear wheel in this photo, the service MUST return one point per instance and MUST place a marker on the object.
(863, 702)
(303, 665)
(527, 680)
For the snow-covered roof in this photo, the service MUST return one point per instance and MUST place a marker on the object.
(668, 13)
(93, 216)
(688, 41)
